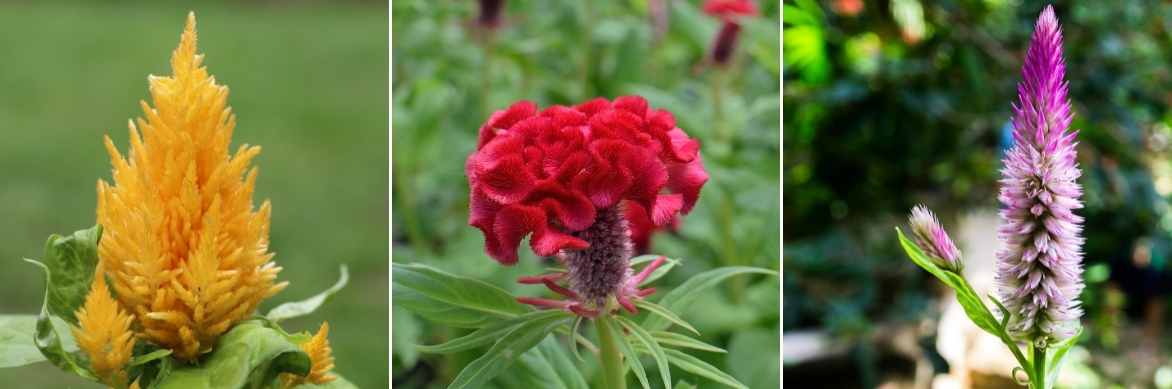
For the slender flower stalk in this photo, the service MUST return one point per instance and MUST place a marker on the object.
(185, 251)
(730, 12)
(933, 240)
(1039, 272)
(103, 333)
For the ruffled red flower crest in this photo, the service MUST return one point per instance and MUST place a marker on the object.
(547, 173)
(730, 9)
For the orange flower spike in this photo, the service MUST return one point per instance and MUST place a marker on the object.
(103, 333)
(186, 251)
(321, 360)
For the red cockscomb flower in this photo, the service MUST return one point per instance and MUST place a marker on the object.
(730, 9)
(581, 181)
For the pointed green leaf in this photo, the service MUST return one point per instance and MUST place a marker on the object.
(656, 352)
(669, 315)
(678, 340)
(504, 352)
(449, 299)
(574, 333)
(489, 334)
(682, 296)
(304, 307)
(53, 346)
(569, 372)
(973, 306)
(698, 367)
(1059, 356)
(143, 359)
(69, 264)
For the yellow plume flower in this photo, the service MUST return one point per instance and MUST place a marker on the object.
(103, 332)
(321, 360)
(185, 251)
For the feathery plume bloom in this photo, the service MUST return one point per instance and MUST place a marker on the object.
(1039, 272)
(729, 12)
(185, 251)
(103, 333)
(933, 240)
(321, 360)
(574, 178)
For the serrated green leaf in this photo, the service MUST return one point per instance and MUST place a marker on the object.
(16, 341)
(504, 352)
(698, 367)
(682, 296)
(658, 273)
(666, 314)
(294, 309)
(653, 346)
(488, 334)
(250, 355)
(678, 340)
(449, 299)
(69, 262)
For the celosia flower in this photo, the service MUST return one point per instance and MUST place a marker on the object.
(933, 240)
(321, 360)
(573, 177)
(1039, 270)
(103, 333)
(185, 251)
(729, 11)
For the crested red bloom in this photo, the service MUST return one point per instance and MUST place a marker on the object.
(551, 173)
(730, 9)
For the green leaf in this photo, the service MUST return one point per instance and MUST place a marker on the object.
(684, 385)
(698, 367)
(405, 335)
(16, 341)
(629, 355)
(649, 341)
(149, 357)
(573, 334)
(339, 383)
(69, 262)
(56, 348)
(304, 307)
(754, 358)
(569, 372)
(973, 306)
(250, 355)
(506, 351)
(666, 314)
(678, 340)
(488, 334)
(449, 299)
(1059, 356)
(682, 296)
(658, 273)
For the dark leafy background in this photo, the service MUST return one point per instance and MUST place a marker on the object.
(309, 84)
(893, 103)
(447, 81)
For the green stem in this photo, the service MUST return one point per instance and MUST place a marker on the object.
(1039, 368)
(612, 363)
(717, 82)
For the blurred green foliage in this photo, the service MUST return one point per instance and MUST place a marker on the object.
(449, 75)
(892, 103)
(309, 83)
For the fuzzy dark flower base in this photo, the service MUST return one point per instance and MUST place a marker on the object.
(597, 272)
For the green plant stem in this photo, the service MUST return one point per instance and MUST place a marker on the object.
(1039, 368)
(1012, 345)
(611, 361)
(717, 83)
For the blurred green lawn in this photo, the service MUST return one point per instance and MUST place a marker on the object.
(309, 84)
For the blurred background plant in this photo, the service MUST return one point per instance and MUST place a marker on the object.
(453, 68)
(308, 82)
(893, 103)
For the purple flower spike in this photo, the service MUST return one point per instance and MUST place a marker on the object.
(933, 240)
(1039, 270)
